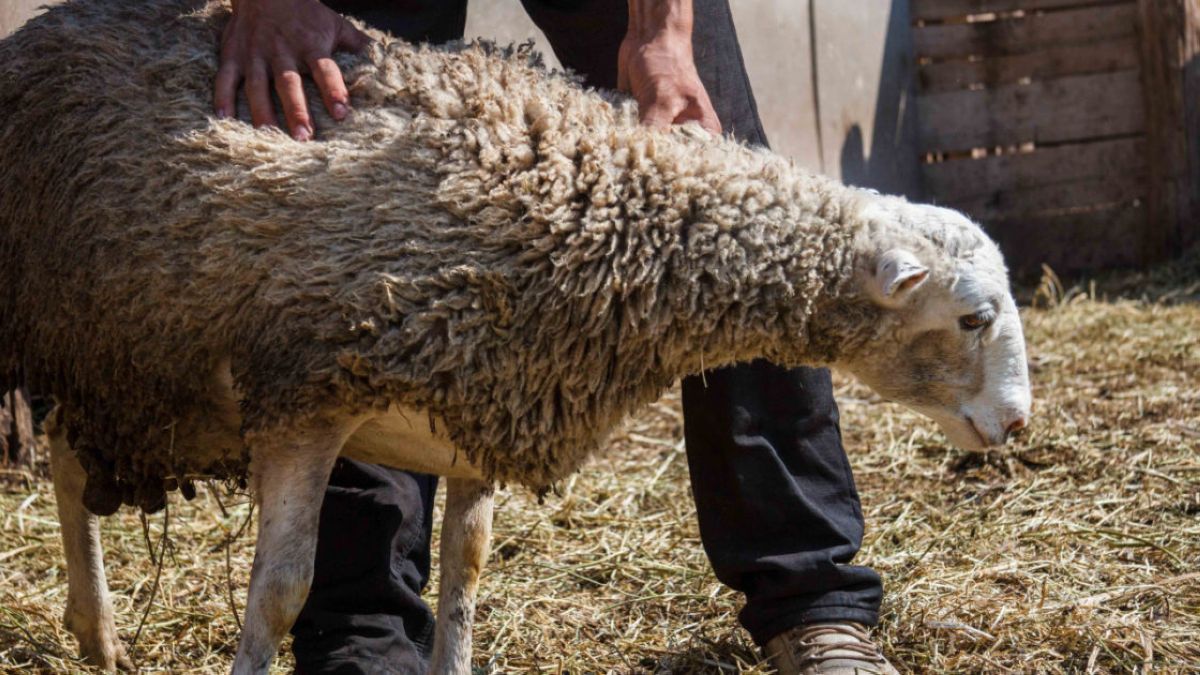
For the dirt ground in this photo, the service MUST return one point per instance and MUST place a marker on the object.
(1075, 550)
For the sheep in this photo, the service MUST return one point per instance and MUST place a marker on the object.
(478, 275)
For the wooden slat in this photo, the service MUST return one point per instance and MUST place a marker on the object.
(1187, 188)
(1104, 57)
(927, 10)
(1163, 26)
(1072, 242)
(1057, 199)
(1161, 93)
(1029, 34)
(964, 179)
(1067, 109)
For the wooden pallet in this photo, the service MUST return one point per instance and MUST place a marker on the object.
(1062, 125)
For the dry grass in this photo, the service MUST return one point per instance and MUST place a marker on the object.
(1076, 550)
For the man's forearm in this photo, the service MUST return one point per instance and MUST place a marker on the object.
(656, 65)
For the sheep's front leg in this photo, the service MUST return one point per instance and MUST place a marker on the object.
(89, 614)
(466, 537)
(290, 469)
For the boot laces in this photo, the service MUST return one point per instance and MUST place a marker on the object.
(812, 649)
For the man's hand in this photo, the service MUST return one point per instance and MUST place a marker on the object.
(656, 65)
(277, 40)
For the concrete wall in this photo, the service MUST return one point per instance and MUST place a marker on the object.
(13, 13)
(866, 87)
(841, 106)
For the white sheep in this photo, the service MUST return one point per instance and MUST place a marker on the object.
(478, 275)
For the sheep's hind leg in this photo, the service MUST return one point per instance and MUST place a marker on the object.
(290, 469)
(89, 615)
(466, 537)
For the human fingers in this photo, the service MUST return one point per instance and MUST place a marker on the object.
(331, 85)
(225, 89)
(351, 39)
(258, 94)
(660, 112)
(699, 109)
(289, 86)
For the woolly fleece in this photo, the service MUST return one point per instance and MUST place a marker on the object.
(482, 239)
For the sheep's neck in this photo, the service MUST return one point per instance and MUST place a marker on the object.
(684, 254)
(761, 259)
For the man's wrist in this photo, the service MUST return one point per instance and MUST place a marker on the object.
(668, 21)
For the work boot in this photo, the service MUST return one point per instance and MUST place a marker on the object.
(827, 649)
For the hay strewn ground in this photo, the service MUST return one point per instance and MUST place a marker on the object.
(1076, 550)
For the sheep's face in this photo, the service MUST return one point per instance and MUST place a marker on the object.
(953, 348)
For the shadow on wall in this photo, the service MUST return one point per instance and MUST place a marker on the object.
(892, 163)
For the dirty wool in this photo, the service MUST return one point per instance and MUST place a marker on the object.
(482, 240)
(1073, 550)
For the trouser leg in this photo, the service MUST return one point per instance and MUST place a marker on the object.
(584, 34)
(364, 613)
(779, 515)
(433, 21)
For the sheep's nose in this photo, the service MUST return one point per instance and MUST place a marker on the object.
(1014, 426)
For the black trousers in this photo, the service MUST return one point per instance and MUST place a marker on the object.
(779, 515)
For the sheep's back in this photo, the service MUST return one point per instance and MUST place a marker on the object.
(431, 251)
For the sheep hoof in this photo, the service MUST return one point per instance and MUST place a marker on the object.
(99, 645)
(108, 655)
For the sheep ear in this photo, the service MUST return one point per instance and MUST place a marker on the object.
(897, 274)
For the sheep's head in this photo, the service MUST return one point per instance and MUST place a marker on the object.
(951, 345)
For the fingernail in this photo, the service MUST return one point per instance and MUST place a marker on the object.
(222, 113)
(340, 110)
(302, 133)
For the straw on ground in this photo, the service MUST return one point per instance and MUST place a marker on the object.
(1074, 550)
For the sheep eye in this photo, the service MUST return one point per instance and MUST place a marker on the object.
(972, 322)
